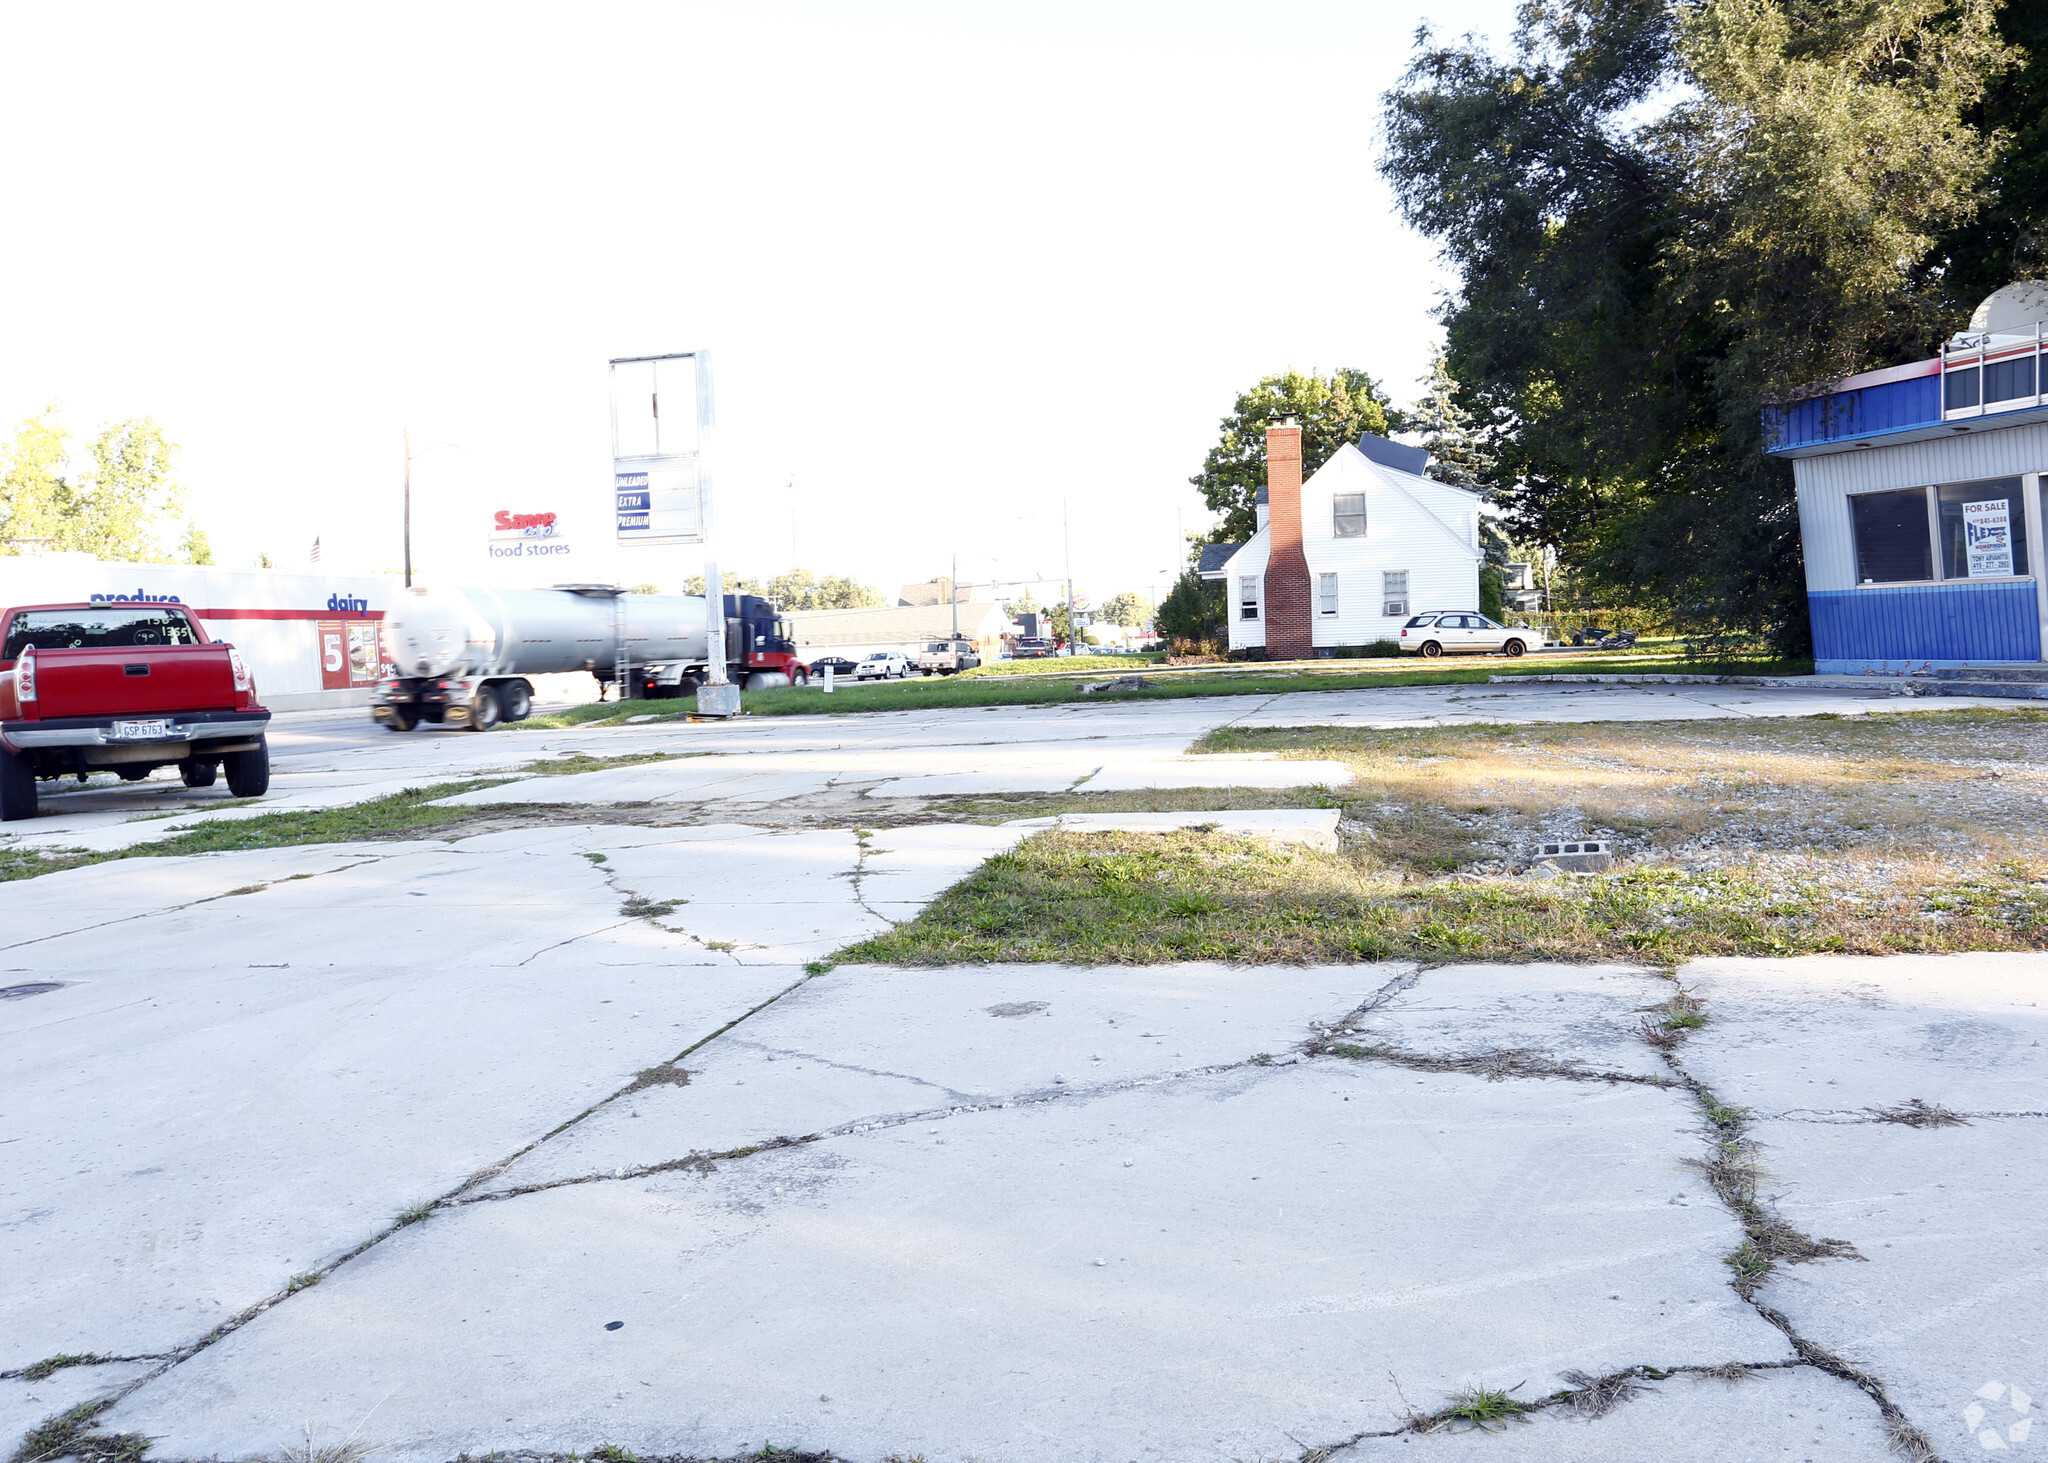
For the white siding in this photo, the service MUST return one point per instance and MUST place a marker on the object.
(1412, 524)
(1251, 559)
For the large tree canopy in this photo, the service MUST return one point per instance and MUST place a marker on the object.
(1664, 214)
(1331, 410)
(122, 506)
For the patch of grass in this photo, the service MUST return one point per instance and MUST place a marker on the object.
(73, 1435)
(1146, 898)
(639, 908)
(1916, 1113)
(1058, 665)
(49, 1366)
(417, 1214)
(304, 1281)
(1481, 1409)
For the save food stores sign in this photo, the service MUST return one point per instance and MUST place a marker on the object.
(527, 536)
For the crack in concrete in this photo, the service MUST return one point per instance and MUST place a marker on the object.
(108, 924)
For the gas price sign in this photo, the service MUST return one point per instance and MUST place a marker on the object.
(657, 501)
(661, 432)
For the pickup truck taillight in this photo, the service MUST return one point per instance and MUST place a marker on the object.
(241, 669)
(25, 676)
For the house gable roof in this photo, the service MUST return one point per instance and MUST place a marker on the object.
(1215, 558)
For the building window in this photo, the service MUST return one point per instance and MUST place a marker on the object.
(2004, 380)
(1983, 529)
(1326, 594)
(1248, 597)
(1347, 515)
(1959, 389)
(1394, 592)
(1892, 542)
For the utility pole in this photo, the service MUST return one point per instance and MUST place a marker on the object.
(1067, 535)
(953, 594)
(408, 507)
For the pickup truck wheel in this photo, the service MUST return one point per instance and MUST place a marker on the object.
(17, 788)
(518, 699)
(483, 712)
(249, 772)
(1431, 650)
(195, 773)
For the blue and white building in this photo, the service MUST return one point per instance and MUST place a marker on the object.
(1920, 500)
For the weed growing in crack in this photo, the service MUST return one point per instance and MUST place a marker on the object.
(1481, 1409)
(417, 1214)
(817, 967)
(612, 1453)
(1591, 1396)
(49, 1366)
(72, 1435)
(639, 908)
(1915, 1113)
(305, 1281)
(1730, 1372)
(1901, 1437)
(1668, 1024)
(348, 1450)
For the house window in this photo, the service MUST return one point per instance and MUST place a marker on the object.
(1394, 592)
(1347, 515)
(1326, 594)
(1983, 529)
(1892, 542)
(1248, 597)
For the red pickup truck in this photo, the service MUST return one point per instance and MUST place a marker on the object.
(123, 688)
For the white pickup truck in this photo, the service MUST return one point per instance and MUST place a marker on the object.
(947, 658)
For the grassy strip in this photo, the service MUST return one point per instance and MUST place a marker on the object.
(1057, 682)
(1146, 898)
(1053, 665)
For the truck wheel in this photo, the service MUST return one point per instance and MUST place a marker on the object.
(484, 713)
(518, 700)
(194, 773)
(249, 772)
(403, 718)
(17, 788)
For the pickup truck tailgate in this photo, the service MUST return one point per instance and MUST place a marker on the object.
(133, 680)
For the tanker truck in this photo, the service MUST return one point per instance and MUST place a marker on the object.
(461, 657)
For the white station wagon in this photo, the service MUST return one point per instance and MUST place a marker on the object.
(882, 665)
(1458, 631)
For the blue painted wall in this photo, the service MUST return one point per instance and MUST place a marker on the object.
(1886, 408)
(1945, 622)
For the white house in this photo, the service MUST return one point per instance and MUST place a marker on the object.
(1345, 558)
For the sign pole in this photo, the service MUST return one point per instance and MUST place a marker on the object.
(717, 696)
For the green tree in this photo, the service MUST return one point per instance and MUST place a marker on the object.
(727, 584)
(801, 590)
(1331, 410)
(1126, 609)
(1666, 216)
(1192, 609)
(117, 509)
(197, 547)
(2008, 237)
(1451, 433)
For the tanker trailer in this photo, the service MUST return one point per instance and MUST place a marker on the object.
(461, 657)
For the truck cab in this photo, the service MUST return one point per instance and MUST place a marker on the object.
(947, 658)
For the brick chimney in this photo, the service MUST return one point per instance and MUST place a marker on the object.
(1287, 588)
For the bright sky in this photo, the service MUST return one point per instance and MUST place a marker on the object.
(957, 264)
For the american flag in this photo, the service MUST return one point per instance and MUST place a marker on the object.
(316, 549)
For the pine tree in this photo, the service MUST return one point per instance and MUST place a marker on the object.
(1456, 454)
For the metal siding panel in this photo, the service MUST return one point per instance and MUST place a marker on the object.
(1886, 407)
(1964, 457)
(1825, 534)
(1987, 622)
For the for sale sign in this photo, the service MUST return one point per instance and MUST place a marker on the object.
(1987, 537)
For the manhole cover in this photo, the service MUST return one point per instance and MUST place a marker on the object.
(33, 988)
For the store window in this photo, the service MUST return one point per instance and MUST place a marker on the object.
(1394, 592)
(1248, 597)
(1347, 515)
(2005, 380)
(1982, 529)
(1892, 544)
(1326, 594)
(1959, 389)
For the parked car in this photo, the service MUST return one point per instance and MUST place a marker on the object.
(839, 665)
(123, 688)
(1462, 631)
(947, 658)
(883, 665)
(1032, 647)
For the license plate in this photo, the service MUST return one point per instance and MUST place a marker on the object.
(138, 731)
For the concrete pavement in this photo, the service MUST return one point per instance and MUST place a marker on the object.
(561, 1143)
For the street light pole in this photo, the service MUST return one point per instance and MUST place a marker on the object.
(408, 507)
(1067, 535)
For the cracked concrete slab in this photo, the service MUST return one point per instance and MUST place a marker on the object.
(24, 1404)
(1947, 1299)
(1834, 1037)
(872, 1043)
(1583, 1015)
(182, 1141)
(1798, 1415)
(1310, 827)
(1206, 1269)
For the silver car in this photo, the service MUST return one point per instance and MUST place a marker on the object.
(1455, 632)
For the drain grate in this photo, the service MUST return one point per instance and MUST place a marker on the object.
(33, 988)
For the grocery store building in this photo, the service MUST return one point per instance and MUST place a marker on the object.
(1920, 501)
(311, 640)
